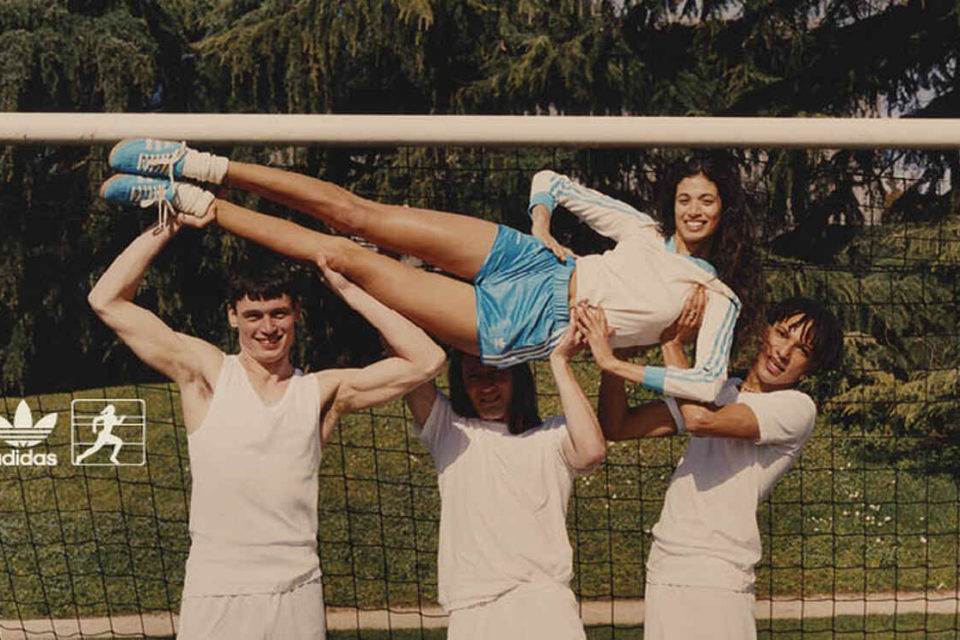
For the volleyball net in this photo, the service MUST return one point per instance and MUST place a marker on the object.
(861, 538)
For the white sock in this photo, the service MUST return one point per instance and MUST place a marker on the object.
(204, 166)
(191, 199)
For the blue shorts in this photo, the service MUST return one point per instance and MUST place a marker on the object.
(522, 293)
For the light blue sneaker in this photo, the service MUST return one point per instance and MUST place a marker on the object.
(137, 191)
(169, 197)
(148, 157)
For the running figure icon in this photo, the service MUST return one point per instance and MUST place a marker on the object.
(106, 420)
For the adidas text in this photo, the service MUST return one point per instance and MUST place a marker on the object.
(27, 458)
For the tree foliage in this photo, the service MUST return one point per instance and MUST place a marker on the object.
(836, 226)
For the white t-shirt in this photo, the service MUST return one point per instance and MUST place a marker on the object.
(707, 534)
(503, 505)
(642, 283)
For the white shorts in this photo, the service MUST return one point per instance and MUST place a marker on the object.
(291, 615)
(542, 611)
(682, 613)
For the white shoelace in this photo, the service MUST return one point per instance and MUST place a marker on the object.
(158, 196)
(155, 195)
(196, 201)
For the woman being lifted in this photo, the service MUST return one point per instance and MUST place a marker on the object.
(515, 305)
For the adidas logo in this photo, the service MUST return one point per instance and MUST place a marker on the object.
(23, 434)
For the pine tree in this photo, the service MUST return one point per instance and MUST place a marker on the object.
(826, 214)
(65, 56)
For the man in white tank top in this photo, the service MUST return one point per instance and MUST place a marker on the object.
(256, 427)
(700, 571)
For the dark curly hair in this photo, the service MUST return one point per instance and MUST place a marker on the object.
(733, 251)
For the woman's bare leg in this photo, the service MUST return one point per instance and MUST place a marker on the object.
(455, 243)
(443, 306)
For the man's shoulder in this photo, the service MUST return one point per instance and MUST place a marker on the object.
(330, 375)
(793, 398)
(551, 427)
(201, 344)
(785, 416)
(204, 364)
(327, 381)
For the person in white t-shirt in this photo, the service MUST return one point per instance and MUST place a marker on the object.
(700, 572)
(505, 477)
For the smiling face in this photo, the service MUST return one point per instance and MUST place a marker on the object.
(490, 389)
(696, 208)
(265, 327)
(786, 353)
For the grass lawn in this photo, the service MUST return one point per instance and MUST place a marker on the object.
(96, 540)
(902, 627)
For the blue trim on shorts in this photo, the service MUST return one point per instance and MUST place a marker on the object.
(522, 295)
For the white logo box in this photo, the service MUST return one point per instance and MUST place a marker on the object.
(132, 431)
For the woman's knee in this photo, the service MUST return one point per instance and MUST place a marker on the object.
(347, 257)
(346, 212)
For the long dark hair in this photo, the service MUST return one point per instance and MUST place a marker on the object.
(733, 250)
(523, 407)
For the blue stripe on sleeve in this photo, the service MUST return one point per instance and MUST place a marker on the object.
(717, 359)
(576, 192)
(544, 198)
(719, 353)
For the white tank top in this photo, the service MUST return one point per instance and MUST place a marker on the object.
(253, 504)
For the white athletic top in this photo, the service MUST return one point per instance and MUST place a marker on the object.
(253, 506)
(642, 283)
(503, 505)
(707, 535)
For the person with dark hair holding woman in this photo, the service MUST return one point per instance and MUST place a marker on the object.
(505, 477)
(700, 571)
(510, 299)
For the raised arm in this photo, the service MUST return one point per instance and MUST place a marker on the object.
(622, 422)
(184, 359)
(416, 358)
(701, 383)
(607, 216)
(730, 421)
(584, 446)
(420, 401)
